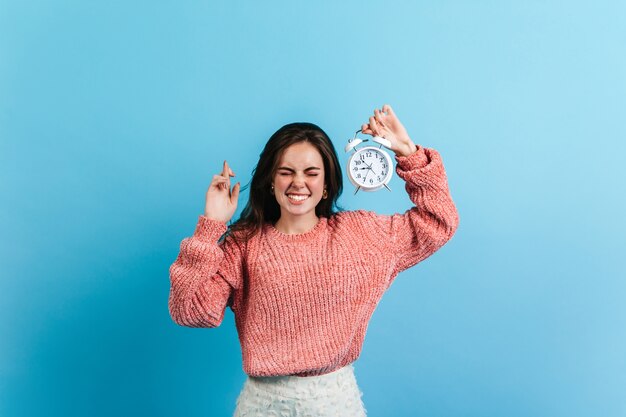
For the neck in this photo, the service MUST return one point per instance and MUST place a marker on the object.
(290, 225)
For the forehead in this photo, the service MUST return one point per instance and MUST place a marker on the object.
(301, 155)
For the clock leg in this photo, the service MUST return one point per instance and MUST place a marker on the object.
(357, 189)
(387, 187)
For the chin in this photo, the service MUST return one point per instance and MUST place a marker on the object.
(300, 210)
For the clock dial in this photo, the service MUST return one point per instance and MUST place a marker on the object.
(369, 167)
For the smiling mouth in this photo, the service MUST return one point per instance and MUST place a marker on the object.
(296, 197)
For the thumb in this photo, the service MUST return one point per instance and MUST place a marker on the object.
(234, 196)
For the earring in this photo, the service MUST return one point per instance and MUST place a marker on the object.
(325, 194)
(272, 190)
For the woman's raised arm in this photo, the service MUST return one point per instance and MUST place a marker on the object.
(420, 231)
(205, 273)
(204, 276)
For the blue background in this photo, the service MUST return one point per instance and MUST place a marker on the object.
(115, 115)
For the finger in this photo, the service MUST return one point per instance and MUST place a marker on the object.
(230, 171)
(379, 117)
(219, 186)
(373, 125)
(234, 196)
(387, 109)
(226, 174)
(219, 182)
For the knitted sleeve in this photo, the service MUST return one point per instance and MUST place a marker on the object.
(204, 276)
(420, 231)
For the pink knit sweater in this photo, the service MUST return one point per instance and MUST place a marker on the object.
(302, 302)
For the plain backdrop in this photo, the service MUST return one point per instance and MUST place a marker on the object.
(114, 116)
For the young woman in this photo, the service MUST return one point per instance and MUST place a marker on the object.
(302, 278)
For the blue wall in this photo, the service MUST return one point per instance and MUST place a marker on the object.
(115, 115)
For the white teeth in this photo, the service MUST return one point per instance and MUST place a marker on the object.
(298, 197)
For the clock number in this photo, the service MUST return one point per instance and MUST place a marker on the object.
(371, 181)
(379, 178)
(369, 154)
(358, 175)
(384, 165)
(355, 169)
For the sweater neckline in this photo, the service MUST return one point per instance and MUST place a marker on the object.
(309, 234)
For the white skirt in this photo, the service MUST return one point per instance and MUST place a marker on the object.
(335, 394)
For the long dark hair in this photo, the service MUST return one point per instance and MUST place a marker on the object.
(262, 206)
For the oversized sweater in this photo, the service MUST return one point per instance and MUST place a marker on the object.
(302, 302)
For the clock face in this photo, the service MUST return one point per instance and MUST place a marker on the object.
(369, 168)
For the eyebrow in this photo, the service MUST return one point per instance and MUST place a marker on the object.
(291, 170)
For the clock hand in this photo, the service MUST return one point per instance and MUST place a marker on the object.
(366, 176)
(370, 167)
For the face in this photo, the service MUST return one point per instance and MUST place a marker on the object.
(299, 180)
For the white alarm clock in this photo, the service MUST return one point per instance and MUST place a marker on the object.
(369, 168)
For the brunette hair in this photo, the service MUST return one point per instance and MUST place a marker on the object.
(262, 206)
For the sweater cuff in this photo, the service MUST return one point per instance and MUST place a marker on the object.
(422, 168)
(209, 230)
(416, 160)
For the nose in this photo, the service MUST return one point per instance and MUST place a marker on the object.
(298, 181)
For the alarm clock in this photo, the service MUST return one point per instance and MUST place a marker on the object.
(369, 168)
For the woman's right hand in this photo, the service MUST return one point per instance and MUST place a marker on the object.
(221, 202)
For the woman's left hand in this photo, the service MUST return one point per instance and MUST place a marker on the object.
(386, 124)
